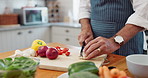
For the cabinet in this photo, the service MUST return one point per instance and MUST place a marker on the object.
(22, 38)
(65, 35)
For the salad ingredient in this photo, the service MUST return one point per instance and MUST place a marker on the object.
(114, 73)
(105, 72)
(101, 72)
(61, 51)
(83, 75)
(65, 50)
(42, 51)
(67, 53)
(85, 66)
(51, 53)
(37, 43)
(18, 67)
(122, 74)
(58, 48)
(80, 63)
(26, 53)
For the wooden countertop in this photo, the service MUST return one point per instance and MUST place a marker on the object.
(115, 60)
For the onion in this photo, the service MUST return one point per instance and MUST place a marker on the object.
(42, 51)
(51, 53)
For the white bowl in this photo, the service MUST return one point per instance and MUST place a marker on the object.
(138, 65)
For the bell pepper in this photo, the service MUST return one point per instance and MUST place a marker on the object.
(37, 43)
(85, 66)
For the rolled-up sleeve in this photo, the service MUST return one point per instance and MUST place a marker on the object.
(84, 9)
(140, 17)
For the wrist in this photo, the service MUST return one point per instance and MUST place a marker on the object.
(114, 43)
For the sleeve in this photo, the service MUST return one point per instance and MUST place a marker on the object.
(140, 17)
(84, 9)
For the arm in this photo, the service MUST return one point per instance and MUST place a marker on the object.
(137, 22)
(140, 17)
(84, 19)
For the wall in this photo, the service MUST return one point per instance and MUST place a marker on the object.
(17, 4)
(65, 7)
(69, 6)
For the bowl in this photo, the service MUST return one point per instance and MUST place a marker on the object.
(13, 69)
(138, 65)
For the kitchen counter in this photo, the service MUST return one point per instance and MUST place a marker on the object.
(7, 28)
(115, 60)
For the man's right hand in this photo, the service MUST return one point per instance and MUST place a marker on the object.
(85, 35)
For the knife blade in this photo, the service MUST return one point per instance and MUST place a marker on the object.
(81, 52)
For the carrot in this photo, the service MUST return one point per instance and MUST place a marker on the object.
(106, 72)
(101, 72)
(114, 73)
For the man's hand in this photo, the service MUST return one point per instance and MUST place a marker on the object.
(85, 35)
(86, 31)
(99, 46)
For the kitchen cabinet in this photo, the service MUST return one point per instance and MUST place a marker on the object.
(65, 35)
(22, 38)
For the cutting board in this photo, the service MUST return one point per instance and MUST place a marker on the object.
(63, 61)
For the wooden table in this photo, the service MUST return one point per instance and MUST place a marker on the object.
(115, 60)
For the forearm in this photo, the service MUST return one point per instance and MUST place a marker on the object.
(85, 24)
(129, 31)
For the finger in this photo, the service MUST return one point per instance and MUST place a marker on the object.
(88, 39)
(82, 39)
(91, 49)
(89, 44)
(95, 46)
(92, 42)
(106, 72)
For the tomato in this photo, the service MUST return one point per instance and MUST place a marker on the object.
(67, 53)
(65, 50)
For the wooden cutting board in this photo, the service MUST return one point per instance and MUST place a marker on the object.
(63, 61)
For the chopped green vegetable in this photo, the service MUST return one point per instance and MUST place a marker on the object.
(19, 67)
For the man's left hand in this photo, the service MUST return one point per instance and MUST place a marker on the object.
(99, 46)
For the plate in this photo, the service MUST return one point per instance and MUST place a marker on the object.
(64, 75)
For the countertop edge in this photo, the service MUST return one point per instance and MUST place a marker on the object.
(61, 24)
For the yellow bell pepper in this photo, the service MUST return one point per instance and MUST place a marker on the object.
(37, 43)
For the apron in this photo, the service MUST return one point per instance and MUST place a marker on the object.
(108, 17)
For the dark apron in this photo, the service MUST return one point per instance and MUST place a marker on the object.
(108, 17)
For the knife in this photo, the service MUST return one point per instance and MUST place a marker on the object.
(81, 52)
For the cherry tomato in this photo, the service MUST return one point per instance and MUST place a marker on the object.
(65, 50)
(67, 53)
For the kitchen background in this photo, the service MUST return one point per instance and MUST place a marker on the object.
(63, 29)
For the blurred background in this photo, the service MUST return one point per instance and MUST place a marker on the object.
(23, 21)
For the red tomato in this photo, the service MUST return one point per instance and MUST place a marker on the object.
(65, 50)
(67, 53)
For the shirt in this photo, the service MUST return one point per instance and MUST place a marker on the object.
(138, 18)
